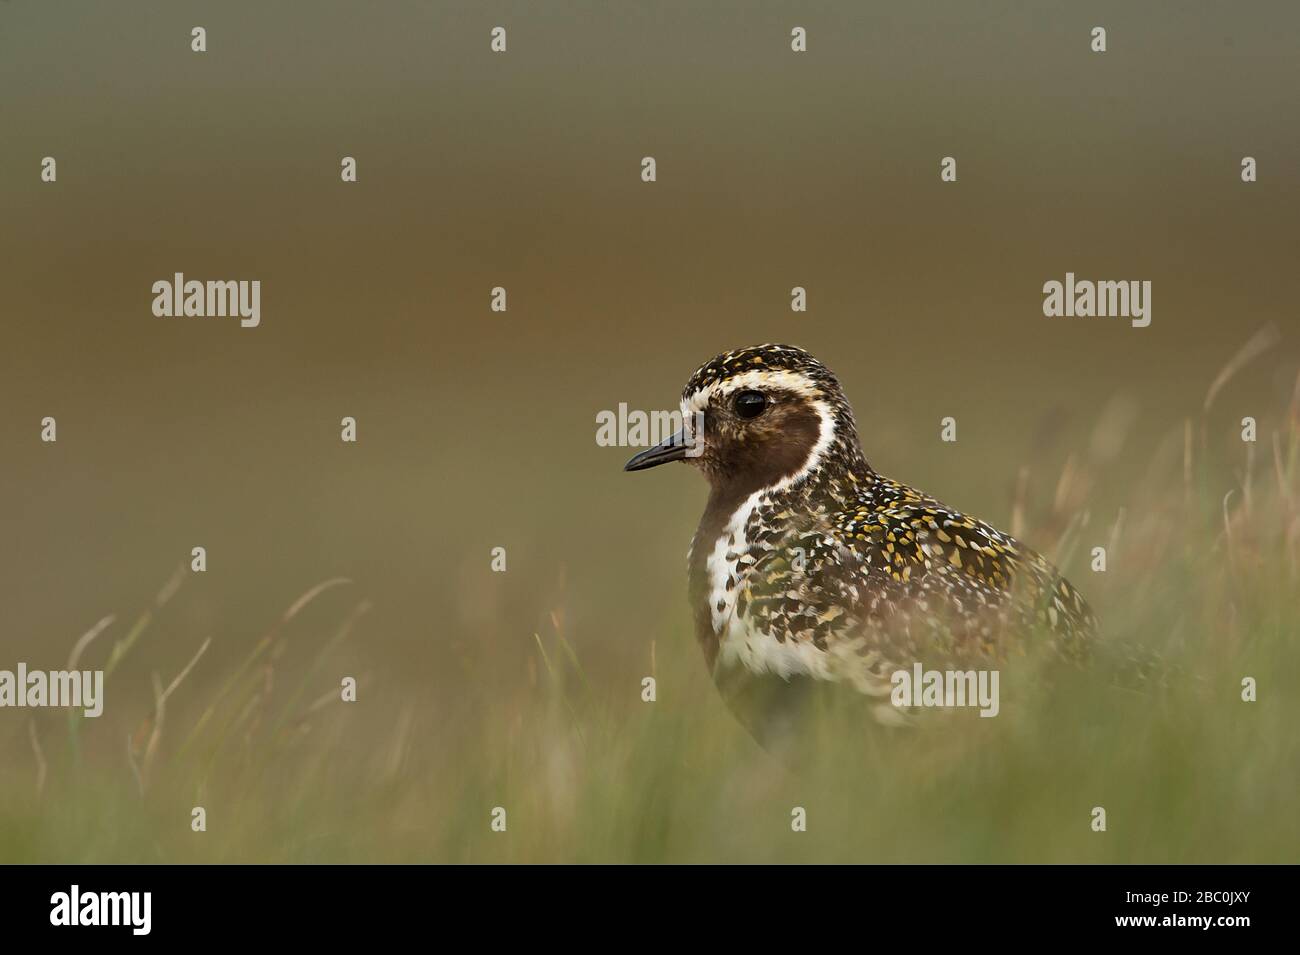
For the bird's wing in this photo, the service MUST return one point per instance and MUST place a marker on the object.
(903, 579)
(948, 565)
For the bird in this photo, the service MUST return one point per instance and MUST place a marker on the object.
(811, 570)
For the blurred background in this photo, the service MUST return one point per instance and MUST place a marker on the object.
(477, 429)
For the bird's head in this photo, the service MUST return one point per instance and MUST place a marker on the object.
(766, 416)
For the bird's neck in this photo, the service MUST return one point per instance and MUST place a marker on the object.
(837, 476)
(837, 471)
(833, 472)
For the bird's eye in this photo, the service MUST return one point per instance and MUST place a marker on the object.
(750, 404)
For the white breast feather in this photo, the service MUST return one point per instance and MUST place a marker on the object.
(759, 652)
(738, 641)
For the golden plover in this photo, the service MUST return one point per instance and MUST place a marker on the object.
(810, 568)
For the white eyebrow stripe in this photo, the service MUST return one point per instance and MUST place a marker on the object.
(756, 378)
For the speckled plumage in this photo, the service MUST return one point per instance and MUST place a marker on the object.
(808, 564)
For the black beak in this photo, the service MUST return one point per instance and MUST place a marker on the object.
(671, 449)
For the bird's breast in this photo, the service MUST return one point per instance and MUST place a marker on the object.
(715, 571)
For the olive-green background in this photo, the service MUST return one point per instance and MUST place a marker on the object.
(477, 429)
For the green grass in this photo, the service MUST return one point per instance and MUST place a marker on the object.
(587, 772)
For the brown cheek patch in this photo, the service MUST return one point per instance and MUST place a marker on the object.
(774, 447)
